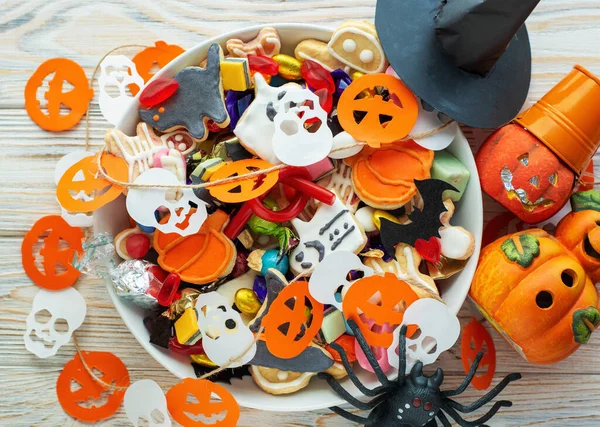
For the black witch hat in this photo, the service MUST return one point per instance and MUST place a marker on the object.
(469, 59)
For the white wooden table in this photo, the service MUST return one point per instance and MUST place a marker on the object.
(563, 33)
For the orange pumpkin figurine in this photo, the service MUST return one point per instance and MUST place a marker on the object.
(579, 231)
(200, 258)
(536, 294)
(380, 182)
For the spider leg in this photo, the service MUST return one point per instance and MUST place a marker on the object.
(342, 392)
(364, 390)
(484, 399)
(350, 417)
(461, 388)
(368, 353)
(443, 419)
(476, 423)
(402, 356)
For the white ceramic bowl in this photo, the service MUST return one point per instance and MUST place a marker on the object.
(113, 218)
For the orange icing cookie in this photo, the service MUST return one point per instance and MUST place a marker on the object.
(384, 178)
(200, 258)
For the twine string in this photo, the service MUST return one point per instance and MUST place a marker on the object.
(247, 176)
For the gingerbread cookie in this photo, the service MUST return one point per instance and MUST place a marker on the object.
(317, 51)
(406, 268)
(333, 228)
(267, 43)
(384, 178)
(198, 99)
(356, 44)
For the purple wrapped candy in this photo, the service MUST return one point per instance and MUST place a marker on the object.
(236, 103)
(342, 80)
(260, 288)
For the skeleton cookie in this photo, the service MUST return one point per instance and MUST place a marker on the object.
(267, 43)
(332, 228)
(199, 98)
(355, 43)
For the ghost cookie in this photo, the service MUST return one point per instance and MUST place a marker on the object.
(198, 99)
(356, 44)
(266, 43)
(256, 127)
(333, 228)
(317, 51)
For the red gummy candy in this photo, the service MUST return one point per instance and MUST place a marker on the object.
(263, 65)
(163, 285)
(137, 246)
(317, 77)
(158, 91)
(430, 249)
(325, 99)
(212, 126)
(186, 350)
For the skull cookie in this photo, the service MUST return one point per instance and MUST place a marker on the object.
(333, 228)
(42, 338)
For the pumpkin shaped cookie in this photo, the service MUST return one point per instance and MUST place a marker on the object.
(200, 258)
(384, 178)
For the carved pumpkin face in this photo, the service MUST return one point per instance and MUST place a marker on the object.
(531, 288)
(381, 118)
(78, 393)
(476, 338)
(523, 175)
(580, 233)
(190, 399)
(381, 300)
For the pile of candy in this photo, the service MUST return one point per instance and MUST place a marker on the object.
(274, 197)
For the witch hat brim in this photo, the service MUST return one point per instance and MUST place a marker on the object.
(406, 29)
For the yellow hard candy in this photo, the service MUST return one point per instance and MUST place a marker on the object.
(378, 214)
(202, 359)
(356, 75)
(289, 67)
(247, 301)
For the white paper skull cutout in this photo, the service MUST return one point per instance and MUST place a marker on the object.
(143, 399)
(331, 273)
(119, 76)
(439, 328)
(68, 305)
(293, 144)
(224, 335)
(74, 219)
(143, 202)
(428, 120)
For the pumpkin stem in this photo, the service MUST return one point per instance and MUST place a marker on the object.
(590, 325)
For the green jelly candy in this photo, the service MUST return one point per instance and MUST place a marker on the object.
(449, 169)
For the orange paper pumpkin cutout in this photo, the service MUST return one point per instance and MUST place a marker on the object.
(383, 120)
(380, 182)
(59, 230)
(76, 99)
(160, 54)
(181, 408)
(474, 339)
(241, 191)
(287, 345)
(77, 391)
(93, 185)
(382, 299)
(199, 258)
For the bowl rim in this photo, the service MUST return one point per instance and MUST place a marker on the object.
(476, 227)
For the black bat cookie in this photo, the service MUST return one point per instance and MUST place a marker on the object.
(424, 224)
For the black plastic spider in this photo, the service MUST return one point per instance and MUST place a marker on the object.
(413, 400)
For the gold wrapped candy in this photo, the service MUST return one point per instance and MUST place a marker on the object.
(378, 214)
(202, 359)
(247, 301)
(289, 67)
